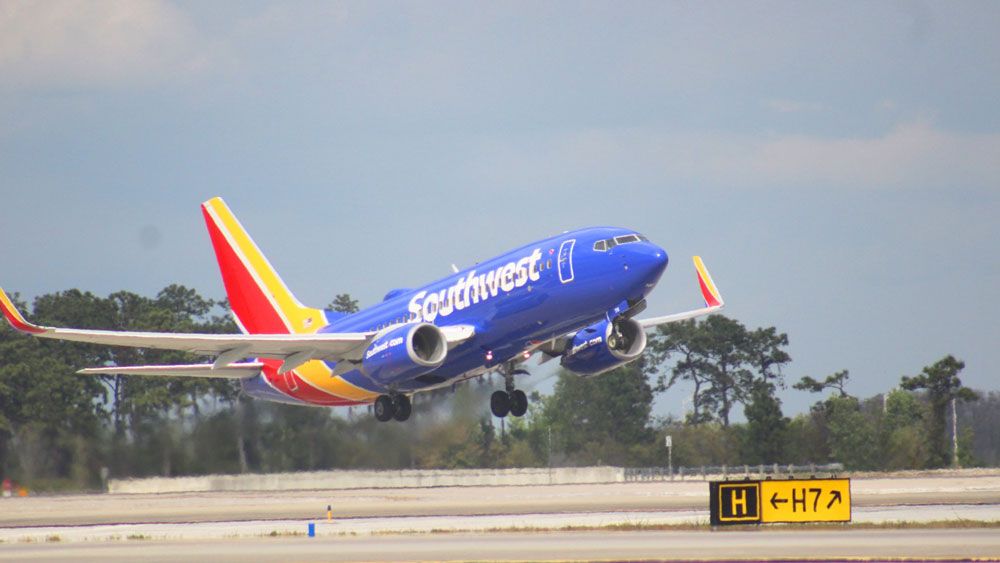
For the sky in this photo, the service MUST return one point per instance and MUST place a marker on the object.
(836, 164)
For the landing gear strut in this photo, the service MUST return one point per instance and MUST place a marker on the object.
(511, 401)
(388, 407)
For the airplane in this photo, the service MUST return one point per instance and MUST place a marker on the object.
(573, 296)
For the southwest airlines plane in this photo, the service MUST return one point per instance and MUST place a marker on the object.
(575, 296)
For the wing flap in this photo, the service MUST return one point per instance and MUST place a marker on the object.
(232, 347)
(242, 370)
(250, 345)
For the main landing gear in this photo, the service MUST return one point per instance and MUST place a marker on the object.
(388, 407)
(511, 401)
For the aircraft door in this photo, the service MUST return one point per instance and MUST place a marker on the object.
(566, 260)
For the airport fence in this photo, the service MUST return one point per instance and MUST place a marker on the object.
(375, 479)
(714, 472)
(406, 478)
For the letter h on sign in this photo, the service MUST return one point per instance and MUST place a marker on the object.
(738, 501)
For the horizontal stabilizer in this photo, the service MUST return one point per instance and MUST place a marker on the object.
(232, 371)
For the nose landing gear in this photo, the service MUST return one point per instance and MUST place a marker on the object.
(511, 401)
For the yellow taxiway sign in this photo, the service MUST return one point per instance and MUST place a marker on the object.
(772, 501)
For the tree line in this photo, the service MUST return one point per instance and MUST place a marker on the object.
(59, 430)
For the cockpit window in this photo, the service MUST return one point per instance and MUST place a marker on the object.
(609, 243)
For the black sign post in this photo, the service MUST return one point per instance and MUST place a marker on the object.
(734, 502)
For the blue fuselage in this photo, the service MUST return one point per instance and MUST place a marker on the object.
(532, 294)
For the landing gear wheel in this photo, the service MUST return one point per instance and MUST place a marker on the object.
(403, 408)
(384, 409)
(518, 403)
(500, 404)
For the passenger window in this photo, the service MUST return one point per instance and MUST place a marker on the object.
(548, 263)
(600, 246)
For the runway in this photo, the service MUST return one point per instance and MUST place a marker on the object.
(401, 525)
(451, 501)
(576, 522)
(590, 546)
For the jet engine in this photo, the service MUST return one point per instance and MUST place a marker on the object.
(604, 346)
(405, 352)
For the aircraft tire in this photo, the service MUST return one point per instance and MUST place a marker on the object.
(518, 403)
(403, 408)
(500, 404)
(384, 409)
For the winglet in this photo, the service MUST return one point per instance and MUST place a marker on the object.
(14, 316)
(708, 290)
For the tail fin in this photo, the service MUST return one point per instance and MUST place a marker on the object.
(261, 302)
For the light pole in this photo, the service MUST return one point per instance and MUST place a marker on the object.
(669, 443)
(954, 434)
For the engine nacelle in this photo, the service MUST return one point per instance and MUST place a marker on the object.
(405, 352)
(599, 347)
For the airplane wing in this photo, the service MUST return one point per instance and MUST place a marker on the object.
(240, 370)
(709, 292)
(713, 302)
(294, 349)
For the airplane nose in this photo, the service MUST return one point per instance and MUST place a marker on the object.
(660, 258)
(648, 261)
(658, 261)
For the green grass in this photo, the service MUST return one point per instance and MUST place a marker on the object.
(283, 534)
(688, 527)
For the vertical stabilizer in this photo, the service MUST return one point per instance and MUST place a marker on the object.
(261, 302)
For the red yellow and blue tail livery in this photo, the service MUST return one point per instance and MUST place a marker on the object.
(574, 296)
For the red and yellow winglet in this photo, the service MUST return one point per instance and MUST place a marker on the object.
(708, 290)
(710, 293)
(14, 316)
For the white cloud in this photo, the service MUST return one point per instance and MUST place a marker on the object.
(793, 106)
(911, 155)
(73, 44)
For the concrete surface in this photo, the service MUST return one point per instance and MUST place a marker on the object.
(439, 524)
(449, 501)
(587, 546)
(485, 522)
